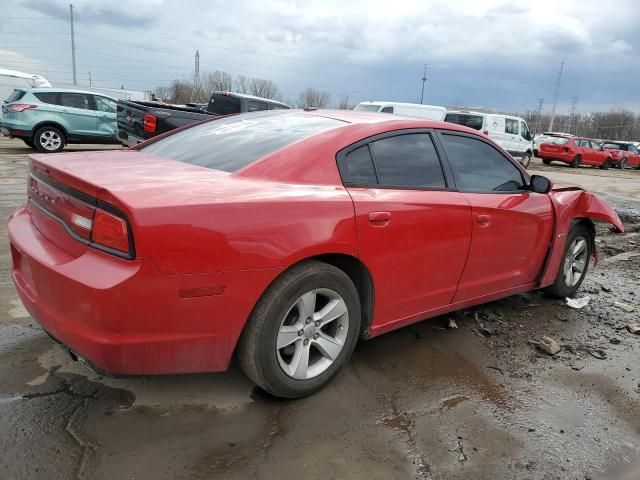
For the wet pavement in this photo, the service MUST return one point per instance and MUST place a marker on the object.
(427, 402)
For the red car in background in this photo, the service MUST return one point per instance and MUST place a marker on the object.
(623, 154)
(283, 237)
(575, 151)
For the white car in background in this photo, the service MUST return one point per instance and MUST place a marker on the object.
(429, 112)
(544, 136)
(511, 133)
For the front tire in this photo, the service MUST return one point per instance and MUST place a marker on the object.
(623, 164)
(49, 139)
(575, 263)
(302, 331)
(606, 165)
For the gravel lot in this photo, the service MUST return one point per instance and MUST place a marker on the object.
(424, 402)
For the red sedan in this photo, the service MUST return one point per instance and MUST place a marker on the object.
(625, 154)
(575, 151)
(284, 237)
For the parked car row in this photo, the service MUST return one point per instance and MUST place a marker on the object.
(576, 151)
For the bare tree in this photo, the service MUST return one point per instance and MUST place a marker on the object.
(163, 93)
(344, 104)
(242, 84)
(263, 88)
(216, 81)
(310, 97)
(181, 91)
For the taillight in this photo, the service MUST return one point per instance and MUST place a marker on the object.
(110, 231)
(149, 123)
(20, 107)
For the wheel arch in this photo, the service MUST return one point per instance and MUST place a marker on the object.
(50, 123)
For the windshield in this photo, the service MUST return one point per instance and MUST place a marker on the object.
(367, 108)
(466, 120)
(233, 142)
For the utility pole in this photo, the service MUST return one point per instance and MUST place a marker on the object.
(555, 97)
(89, 77)
(539, 118)
(424, 79)
(73, 45)
(572, 119)
(196, 75)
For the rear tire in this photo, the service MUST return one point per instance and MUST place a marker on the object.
(546, 162)
(575, 163)
(606, 165)
(49, 139)
(526, 159)
(288, 346)
(575, 263)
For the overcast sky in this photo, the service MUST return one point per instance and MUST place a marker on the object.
(490, 53)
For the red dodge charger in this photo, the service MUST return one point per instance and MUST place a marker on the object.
(283, 237)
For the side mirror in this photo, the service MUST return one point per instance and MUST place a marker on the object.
(539, 184)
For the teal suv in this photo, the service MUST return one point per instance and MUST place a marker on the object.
(49, 118)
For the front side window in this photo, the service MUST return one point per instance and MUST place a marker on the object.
(524, 131)
(75, 100)
(408, 160)
(233, 142)
(511, 126)
(596, 145)
(387, 110)
(479, 167)
(104, 104)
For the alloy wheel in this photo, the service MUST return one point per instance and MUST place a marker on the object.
(575, 261)
(312, 334)
(50, 140)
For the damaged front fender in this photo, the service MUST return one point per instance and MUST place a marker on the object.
(570, 204)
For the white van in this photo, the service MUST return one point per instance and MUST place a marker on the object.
(430, 112)
(511, 133)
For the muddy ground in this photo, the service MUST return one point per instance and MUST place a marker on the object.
(425, 402)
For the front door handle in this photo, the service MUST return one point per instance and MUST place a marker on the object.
(484, 220)
(379, 219)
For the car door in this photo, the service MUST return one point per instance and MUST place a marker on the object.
(599, 154)
(414, 230)
(512, 226)
(105, 109)
(524, 139)
(512, 134)
(77, 108)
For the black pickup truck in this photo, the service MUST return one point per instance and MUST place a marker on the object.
(140, 121)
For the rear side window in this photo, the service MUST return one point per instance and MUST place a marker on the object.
(15, 96)
(75, 100)
(511, 126)
(231, 143)
(478, 167)
(254, 106)
(408, 161)
(387, 110)
(471, 121)
(47, 97)
(224, 104)
(596, 145)
(358, 167)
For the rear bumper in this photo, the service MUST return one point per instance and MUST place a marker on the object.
(14, 132)
(557, 156)
(124, 316)
(128, 139)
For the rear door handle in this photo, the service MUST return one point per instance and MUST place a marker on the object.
(484, 220)
(379, 219)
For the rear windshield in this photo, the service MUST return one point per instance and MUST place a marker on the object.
(367, 108)
(15, 96)
(557, 140)
(231, 143)
(471, 121)
(224, 104)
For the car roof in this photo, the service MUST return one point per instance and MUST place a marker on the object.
(62, 90)
(246, 95)
(399, 104)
